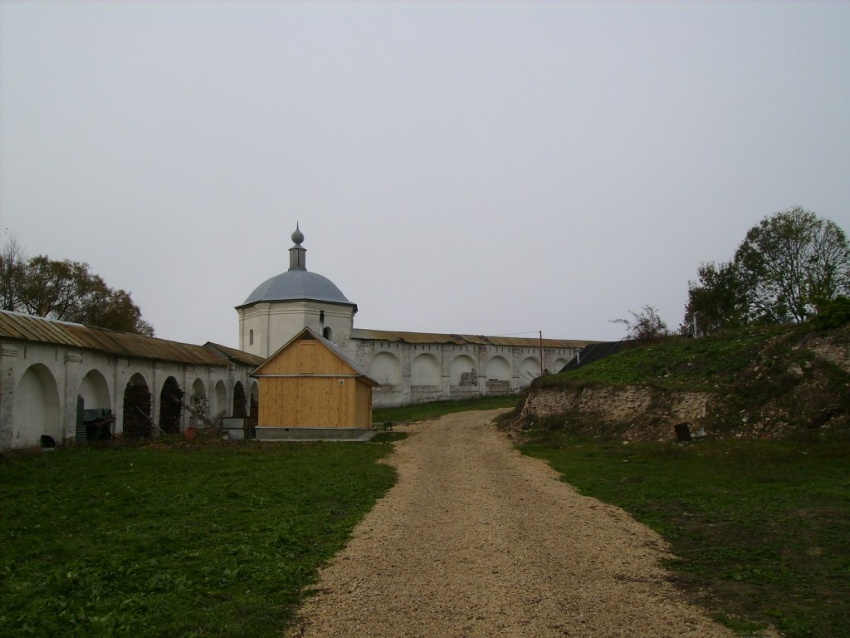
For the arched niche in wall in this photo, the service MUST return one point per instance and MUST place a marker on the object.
(529, 370)
(240, 401)
(558, 365)
(425, 370)
(219, 400)
(137, 408)
(255, 399)
(95, 391)
(170, 406)
(386, 369)
(463, 372)
(199, 404)
(36, 408)
(499, 369)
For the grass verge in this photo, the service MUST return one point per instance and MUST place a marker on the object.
(176, 541)
(759, 528)
(434, 410)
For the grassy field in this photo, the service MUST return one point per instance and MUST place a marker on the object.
(175, 541)
(761, 530)
(220, 540)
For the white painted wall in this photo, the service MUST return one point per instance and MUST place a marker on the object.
(274, 324)
(432, 372)
(39, 385)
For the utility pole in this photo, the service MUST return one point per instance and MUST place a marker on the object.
(541, 353)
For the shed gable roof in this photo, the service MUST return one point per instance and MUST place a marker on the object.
(353, 368)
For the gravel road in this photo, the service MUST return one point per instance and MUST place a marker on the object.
(477, 540)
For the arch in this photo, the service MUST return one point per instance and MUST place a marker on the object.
(529, 370)
(199, 413)
(386, 369)
(198, 388)
(462, 371)
(425, 370)
(240, 401)
(327, 333)
(559, 365)
(499, 369)
(255, 400)
(219, 400)
(170, 406)
(137, 408)
(36, 407)
(95, 391)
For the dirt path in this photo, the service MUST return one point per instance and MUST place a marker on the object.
(477, 540)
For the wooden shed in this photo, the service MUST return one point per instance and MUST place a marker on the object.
(309, 389)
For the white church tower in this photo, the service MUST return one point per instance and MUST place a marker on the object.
(284, 305)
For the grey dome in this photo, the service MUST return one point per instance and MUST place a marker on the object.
(297, 284)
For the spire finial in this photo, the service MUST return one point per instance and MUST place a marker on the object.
(297, 254)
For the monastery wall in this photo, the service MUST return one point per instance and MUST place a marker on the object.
(418, 373)
(40, 384)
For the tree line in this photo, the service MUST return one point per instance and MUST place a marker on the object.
(791, 267)
(65, 290)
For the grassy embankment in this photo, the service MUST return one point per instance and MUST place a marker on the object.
(175, 541)
(760, 529)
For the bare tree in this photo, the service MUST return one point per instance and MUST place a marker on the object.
(645, 325)
(12, 268)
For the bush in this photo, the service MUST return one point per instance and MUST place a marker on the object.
(832, 314)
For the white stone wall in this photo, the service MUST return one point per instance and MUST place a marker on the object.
(417, 373)
(39, 385)
(274, 324)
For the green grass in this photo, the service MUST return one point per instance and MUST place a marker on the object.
(760, 529)
(676, 363)
(750, 371)
(175, 541)
(434, 410)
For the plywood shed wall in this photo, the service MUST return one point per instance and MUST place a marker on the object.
(308, 384)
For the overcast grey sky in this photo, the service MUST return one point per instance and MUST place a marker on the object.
(469, 167)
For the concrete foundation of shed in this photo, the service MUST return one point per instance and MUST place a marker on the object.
(272, 433)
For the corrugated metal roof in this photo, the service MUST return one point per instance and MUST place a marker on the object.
(22, 327)
(454, 339)
(240, 356)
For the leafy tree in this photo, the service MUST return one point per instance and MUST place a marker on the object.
(67, 291)
(790, 260)
(645, 325)
(788, 265)
(832, 314)
(717, 301)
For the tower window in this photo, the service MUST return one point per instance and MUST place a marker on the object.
(251, 338)
(326, 333)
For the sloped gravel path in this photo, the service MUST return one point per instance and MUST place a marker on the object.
(477, 540)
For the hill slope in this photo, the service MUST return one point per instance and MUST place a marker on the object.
(765, 383)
